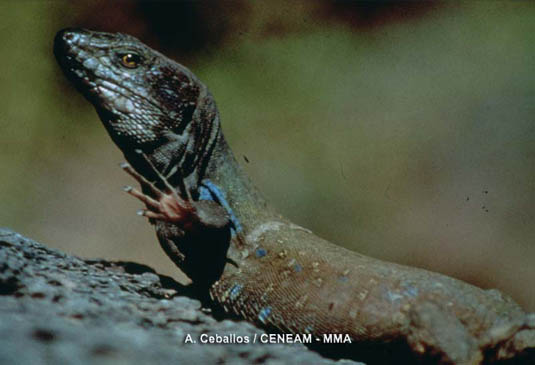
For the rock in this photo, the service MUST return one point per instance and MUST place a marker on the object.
(57, 308)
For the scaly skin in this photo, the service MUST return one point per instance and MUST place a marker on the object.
(217, 228)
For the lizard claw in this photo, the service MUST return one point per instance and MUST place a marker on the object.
(150, 214)
(140, 179)
(150, 202)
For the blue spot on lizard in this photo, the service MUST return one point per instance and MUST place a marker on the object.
(410, 290)
(264, 314)
(235, 291)
(260, 252)
(210, 191)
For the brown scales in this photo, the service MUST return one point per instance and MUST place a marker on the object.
(271, 271)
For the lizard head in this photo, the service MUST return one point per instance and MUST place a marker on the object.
(145, 100)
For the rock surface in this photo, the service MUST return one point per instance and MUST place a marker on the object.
(56, 308)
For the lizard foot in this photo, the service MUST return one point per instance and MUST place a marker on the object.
(165, 205)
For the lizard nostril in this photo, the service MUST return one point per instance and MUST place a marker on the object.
(64, 40)
(68, 36)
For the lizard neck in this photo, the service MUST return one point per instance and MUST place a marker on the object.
(246, 202)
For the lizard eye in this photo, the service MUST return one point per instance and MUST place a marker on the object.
(130, 60)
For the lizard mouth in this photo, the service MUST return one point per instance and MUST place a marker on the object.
(68, 55)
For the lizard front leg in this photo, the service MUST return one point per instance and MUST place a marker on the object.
(195, 234)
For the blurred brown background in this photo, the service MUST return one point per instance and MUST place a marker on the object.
(404, 131)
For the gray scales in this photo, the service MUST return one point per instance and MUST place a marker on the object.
(248, 259)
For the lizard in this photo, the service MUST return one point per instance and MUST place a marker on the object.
(245, 257)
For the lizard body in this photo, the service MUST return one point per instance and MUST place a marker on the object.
(217, 228)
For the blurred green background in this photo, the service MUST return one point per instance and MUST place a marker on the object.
(404, 131)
